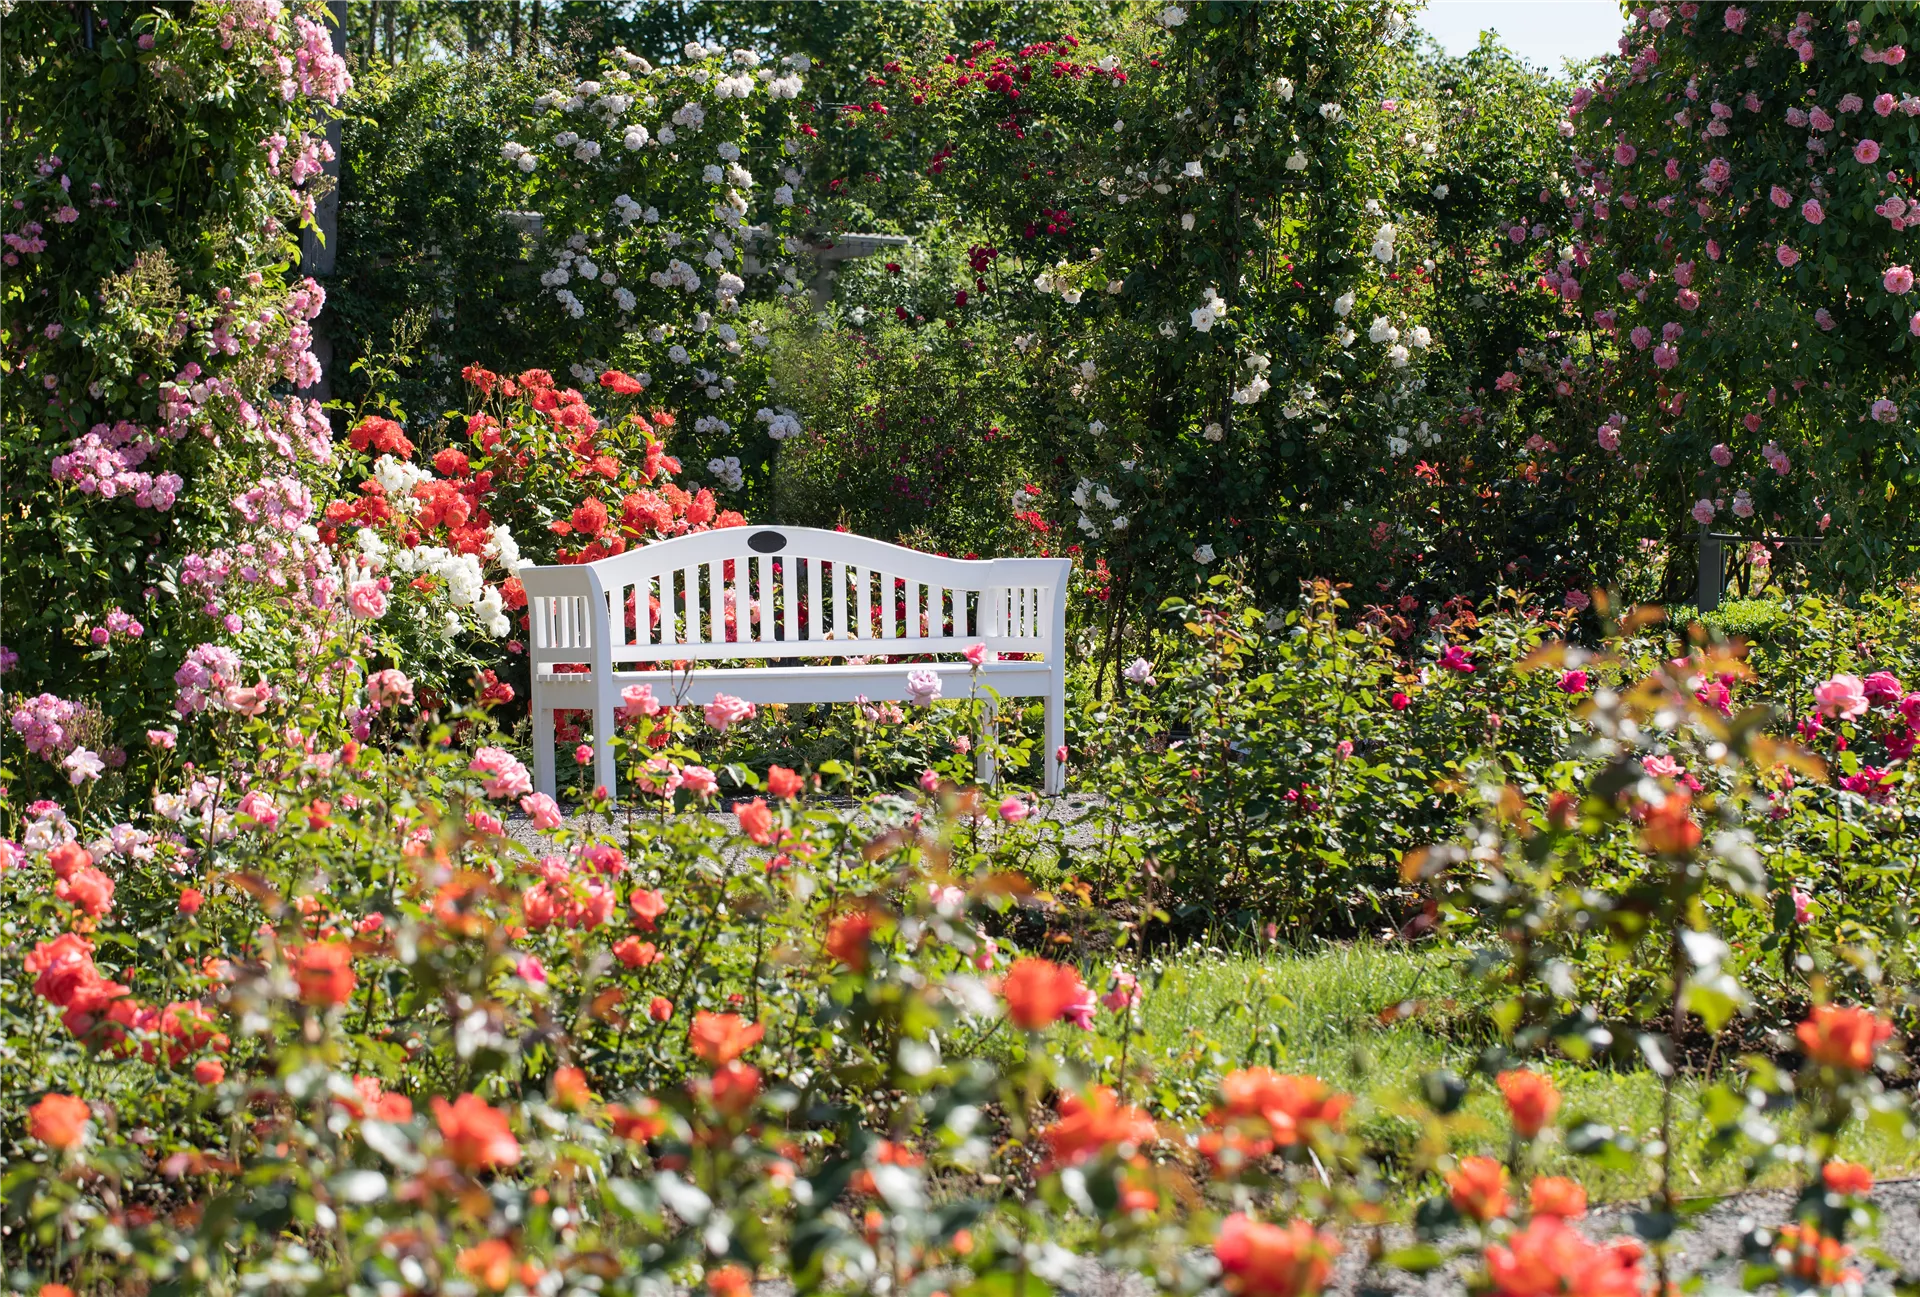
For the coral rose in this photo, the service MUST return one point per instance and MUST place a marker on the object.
(1847, 1177)
(1531, 1099)
(1039, 992)
(475, 1136)
(1478, 1188)
(1842, 1036)
(1261, 1260)
(719, 1038)
(1553, 1195)
(1089, 1126)
(324, 971)
(59, 1121)
(1549, 1258)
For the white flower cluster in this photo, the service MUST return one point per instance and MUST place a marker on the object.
(1059, 280)
(1383, 243)
(626, 209)
(1257, 386)
(398, 478)
(678, 274)
(728, 472)
(635, 138)
(1209, 312)
(464, 578)
(690, 115)
(781, 423)
(708, 423)
(519, 155)
(1089, 493)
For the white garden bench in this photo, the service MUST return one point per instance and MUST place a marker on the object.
(794, 593)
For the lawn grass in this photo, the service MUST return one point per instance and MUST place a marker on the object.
(1210, 1011)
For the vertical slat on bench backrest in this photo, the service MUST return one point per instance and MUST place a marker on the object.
(789, 596)
(764, 618)
(690, 632)
(816, 602)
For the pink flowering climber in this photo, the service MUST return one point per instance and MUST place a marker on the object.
(1812, 211)
(1866, 152)
(1898, 280)
(1703, 511)
(1786, 256)
(1780, 197)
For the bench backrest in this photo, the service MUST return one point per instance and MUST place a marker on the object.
(776, 592)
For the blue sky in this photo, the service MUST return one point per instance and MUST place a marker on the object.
(1542, 32)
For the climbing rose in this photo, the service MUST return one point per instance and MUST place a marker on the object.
(1898, 280)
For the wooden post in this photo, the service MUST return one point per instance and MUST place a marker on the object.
(1713, 567)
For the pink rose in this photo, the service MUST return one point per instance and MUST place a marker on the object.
(976, 654)
(1884, 411)
(1883, 688)
(1786, 256)
(505, 776)
(1703, 511)
(1898, 280)
(1624, 154)
(367, 599)
(1866, 152)
(1843, 697)
(544, 812)
(1722, 454)
(1884, 104)
(726, 710)
(389, 688)
(1780, 197)
(259, 809)
(1013, 810)
(1666, 356)
(1641, 336)
(637, 701)
(699, 781)
(1812, 211)
(1735, 18)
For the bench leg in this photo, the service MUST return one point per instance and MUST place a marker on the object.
(543, 773)
(604, 767)
(985, 767)
(1056, 729)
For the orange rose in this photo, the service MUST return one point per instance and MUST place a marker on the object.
(756, 821)
(1842, 1036)
(59, 1121)
(734, 1088)
(1038, 991)
(847, 939)
(1090, 1126)
(784, 783)
(489, 1264)
(1261, 1260)
(730, 1281)
(1669, 829)
(475, 1136)
(1478, 1188)
(640, 1122)
(1290, 1105)
(570, 1089)
(1553, 1195)
(1847, 1177)
(1549, 1258)
(1531, 1099)
(324, 970)
(719, 1038)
